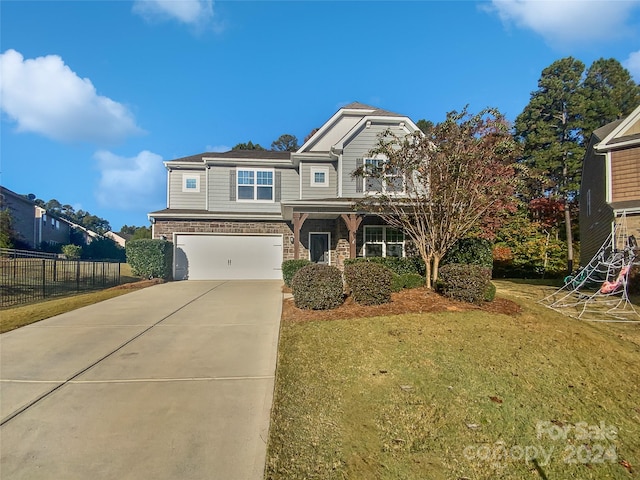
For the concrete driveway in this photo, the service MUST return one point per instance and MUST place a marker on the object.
(171, 382)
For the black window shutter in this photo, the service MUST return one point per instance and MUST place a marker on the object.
(232, 185)
(277, 187)
(359, 178)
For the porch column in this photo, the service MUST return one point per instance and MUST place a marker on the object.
(298, 220)
(352, 221)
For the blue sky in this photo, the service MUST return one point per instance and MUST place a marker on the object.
(96, 95)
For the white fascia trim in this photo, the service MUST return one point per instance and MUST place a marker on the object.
(631, 118)
(616, 146)
(253, 162)
(173, 165)
(632, 210)
(314, 156)
(216, 216)
(340, 176)
(393, 121)
(608, 185)
(328, 124)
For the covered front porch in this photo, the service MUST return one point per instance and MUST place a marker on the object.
(332, 231)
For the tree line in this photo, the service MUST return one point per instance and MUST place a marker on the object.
(476, 175)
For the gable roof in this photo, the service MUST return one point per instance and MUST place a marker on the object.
(625, 132)
(335, 131)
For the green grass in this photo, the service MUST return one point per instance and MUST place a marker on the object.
(457, 396)
(15, 317)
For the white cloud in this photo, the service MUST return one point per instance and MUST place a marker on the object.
(633, 65)
(190, 12)
(130, 183)
(43, 95)
(568, 22)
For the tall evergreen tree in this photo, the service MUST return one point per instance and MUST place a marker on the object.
(610, 93)
(556, 125)
(550, 129)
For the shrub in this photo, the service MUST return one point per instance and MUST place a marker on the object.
(399, 266)
(290, 267)
(469, 283)
(72, 252)
(317, 287)
(470, 251)
(150, 258)
(490, 292)
(406, 281)
(369, 282)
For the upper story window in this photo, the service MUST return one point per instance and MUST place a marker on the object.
(255, 184)
(190, 183)
(319, 176)
(379, 179)
(382, 241)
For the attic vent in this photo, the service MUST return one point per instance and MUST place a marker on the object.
(369, 124)
(401, 124)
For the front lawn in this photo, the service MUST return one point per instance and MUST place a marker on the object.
(457, 395)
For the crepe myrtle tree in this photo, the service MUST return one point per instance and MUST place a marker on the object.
(437, 187)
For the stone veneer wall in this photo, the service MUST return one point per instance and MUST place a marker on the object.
(169, 227)
(339, 248)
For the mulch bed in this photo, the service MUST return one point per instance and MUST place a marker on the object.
(417, 300)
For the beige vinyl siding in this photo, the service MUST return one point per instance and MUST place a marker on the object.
(179, 199)
(359, 147)
(309, 192)
(625, 175)
(220, 189)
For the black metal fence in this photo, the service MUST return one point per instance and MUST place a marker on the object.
(27, 279)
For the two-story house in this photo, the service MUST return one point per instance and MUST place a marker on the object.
(239, 214)
(610, 184)
(33, 224)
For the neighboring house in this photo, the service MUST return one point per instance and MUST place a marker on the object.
(239, 214)
(33, 224)
(610, 184)
(120, 240)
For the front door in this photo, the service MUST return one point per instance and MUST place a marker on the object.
(319, 247)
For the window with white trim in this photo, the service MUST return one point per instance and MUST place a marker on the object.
(319, 176)
(383, 241)
(190, 183)
(254, 185)
(378, 179)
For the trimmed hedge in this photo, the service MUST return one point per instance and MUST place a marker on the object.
(291, 267)
(399, 266)
(150, 258)
(469, 283)
(490, 292)
(369, 282)
(470, 251)
(317, 287)
(406, 281)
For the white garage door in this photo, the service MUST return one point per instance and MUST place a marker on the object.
(228, 257)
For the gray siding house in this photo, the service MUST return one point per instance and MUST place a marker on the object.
(239, 214)
(33, 224)
(610, 187)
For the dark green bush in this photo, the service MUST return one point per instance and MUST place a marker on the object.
(104, 249)
(490, 292)
(399, 266)
(369, 282)
(468, 283)
(150, 258)
(290, 267)
(470, 251)
(317, 287)
(406, 281)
